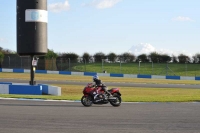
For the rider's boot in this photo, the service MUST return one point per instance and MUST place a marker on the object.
(109, 94)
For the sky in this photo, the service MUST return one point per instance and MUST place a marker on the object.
(136, 26)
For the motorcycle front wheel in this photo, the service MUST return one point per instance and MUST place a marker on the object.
(85, 100)
(117, 102)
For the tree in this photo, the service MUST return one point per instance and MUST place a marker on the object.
(7, 51)
(86, 56)
(174, 59)
(165, 58)
(70, 56)
(183, 58)
(155, 57)
(1, 49)
(1, 59)
(99, 56)
(196, 58)
(142, 58)
(128, 57)
(1, 56)
(112, 56)
(50, 54)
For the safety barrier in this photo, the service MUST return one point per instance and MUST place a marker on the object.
(102, 74)
(25, 89)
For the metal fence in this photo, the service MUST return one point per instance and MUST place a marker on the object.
(59, 64)
(66, 64)
(11, 61)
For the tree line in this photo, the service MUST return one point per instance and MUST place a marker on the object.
(113, 57)
(125, 57)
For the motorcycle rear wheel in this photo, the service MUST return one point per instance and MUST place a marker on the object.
(117, 102)
(85, 100)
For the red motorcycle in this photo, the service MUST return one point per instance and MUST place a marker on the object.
(96, 95)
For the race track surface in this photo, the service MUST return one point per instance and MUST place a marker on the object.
(27, 116)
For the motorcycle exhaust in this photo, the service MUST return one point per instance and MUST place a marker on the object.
(112, 98)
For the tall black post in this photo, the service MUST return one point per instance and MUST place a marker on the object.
(32, 82)
(32, 19)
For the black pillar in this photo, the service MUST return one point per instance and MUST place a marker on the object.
(32, 19)
(32, 72)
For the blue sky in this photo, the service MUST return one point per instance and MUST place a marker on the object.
(137, 26)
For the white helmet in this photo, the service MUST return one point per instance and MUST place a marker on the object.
(95, 77)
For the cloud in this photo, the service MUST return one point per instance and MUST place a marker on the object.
(2, 39)
(180, 18)
(142, 48)
(59, 7)
(102, 4)
(146, 48)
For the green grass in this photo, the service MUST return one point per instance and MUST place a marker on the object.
(129, 94)
(26, 76)
(145, 68)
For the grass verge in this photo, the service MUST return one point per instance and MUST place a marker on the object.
(129, 94)
(26, 76)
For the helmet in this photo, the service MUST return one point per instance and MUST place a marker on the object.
(95, 77)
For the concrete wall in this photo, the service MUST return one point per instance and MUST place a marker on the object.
(24, 89)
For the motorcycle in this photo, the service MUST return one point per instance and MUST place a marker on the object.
(96, 95)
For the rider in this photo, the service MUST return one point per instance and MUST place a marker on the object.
(98, 83)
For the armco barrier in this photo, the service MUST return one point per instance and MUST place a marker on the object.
(116, 75)
(64, 72)
(5, 83)
(173, 77)
(40, 71)
(18, 70)
(89, 73)
(102, 74)
(144, 76)
(197, 78)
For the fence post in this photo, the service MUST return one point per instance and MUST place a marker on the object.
(61, 63)
(52, 63)
(102, 64)
(139, 66)
(8, 61)
(85, 64)
(21, 62)
(69, 63)
(152, 67)
(120, 66)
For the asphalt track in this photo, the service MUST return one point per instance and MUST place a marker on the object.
(27, 116)
(121, 84)
(34, 116)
